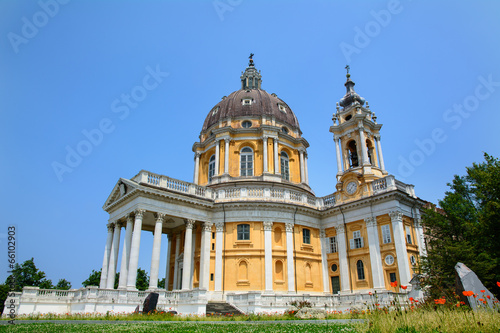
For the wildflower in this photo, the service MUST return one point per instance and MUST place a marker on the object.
(395, 284)
(488, 296)
(481, 300)
(468, 293)
(404, 287)
(483, 291)
(370, 293)
(498, 283)
(411, 299)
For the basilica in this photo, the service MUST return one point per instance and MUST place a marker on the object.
(248, 230)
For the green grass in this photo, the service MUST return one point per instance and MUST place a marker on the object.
(178, 327)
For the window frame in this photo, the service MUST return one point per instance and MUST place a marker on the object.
(306, 236)
(360, 270)
(246, 157)
(285, 165)
(386, 234)
(243, 232)
(211, 168)
(332, 244)
(409, 239)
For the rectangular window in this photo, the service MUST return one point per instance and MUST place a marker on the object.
(408, 235)
(211, 276)
(243, 231)
(306, 236)
(213, 235)
(213, 246)
(357, 241)
(386, 233)
(333, 244)
(392, 277)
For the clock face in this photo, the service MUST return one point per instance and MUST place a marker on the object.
(351, 187)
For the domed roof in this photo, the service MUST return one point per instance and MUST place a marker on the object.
(261, 103)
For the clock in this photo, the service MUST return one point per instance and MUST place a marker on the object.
(351, 187)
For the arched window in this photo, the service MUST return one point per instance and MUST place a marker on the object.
(370, 152)
(243, 231)
(361, 270)
(246, 162)
(353, 154)
(285, 169)
(211, 168)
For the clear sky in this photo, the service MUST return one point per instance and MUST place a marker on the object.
(429, 70)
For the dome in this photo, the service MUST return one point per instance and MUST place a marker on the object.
(261, 103)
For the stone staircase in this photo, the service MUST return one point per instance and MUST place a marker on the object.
(221, 309)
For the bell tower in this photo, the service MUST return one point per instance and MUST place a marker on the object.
(356, 134)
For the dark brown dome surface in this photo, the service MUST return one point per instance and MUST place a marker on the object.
(263, 103)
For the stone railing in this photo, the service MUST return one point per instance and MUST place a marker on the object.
(272, 194)
(328, 301)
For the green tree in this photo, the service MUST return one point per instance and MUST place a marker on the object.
(465, 230)
(27, 274)
(63, 284)
(4, 291)
(94, 279)
(161, 283)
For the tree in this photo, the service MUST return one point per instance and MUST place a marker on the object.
(94, 279)
(27, 274)
(465, 230)
(63, 284)
(161, 283)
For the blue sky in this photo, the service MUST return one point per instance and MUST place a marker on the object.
(429, 70)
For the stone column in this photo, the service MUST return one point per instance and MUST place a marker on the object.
(176, 263)
(400, 244)
(379, 152)
(324, 260)
(268, 255)
(375, 258)
(364, 153)
(289, 257)
(188, 239)
(264, 146)
(226, 156)
(113, 259)
(302, 174)
(305, 169)
(169, 253)
(277, 170)
(155, 256)
(134, 251)
(107, 253)
(219, 228)
(193, 250)
(217, 160)
(344, 265)
(337, 149)
(417, 223)
(205, 255)
(122, 282)
(196, 168)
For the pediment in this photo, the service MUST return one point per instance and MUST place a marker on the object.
(122, 188)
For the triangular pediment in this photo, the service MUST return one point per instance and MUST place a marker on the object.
(122, 188)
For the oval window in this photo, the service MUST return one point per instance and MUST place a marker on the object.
(284, 130)
(348, 118)
(389, 260)
(246, 124)
(334, 267)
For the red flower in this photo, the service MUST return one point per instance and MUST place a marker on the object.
(395, 284)
(498, 283)
(488, 296)
(404, 287)
(411, 299)
(481, 300)
(369, 293)
(468, 293)
(483, 291)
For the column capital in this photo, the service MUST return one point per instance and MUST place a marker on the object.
(417, 222)
(396, 215)
(197, 154)
(130, 218)
(322, 233)
(207, 226)
(190, 223)
(376, 136)
(227, 139)
(371, 222)
(268, 225)
(289, 227)
(340, 228)
(219, 226)
(139, 213)
(160, 217)
(110, 226)
(120, 224)
(336, 137)
(265, 137)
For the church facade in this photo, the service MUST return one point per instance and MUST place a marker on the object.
(249, 230)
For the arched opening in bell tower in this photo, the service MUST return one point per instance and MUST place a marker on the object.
(352, 150)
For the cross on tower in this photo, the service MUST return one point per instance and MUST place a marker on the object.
(347, 68)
